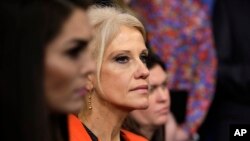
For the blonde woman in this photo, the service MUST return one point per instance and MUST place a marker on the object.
(120, 84)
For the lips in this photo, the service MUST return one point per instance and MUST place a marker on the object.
(81, 92)
(143, 88)
(163, 111)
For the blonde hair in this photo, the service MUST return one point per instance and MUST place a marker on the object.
(106, 22)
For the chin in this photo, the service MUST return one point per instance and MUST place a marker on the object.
(142, 106)
(138, 104)
(137, 107)
(162, 120)
(72, 108)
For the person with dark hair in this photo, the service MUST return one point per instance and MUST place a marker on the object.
(44, 60)
(180, 32)
(151, 121)
(231, 103)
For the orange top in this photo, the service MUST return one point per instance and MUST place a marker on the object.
(78, 133)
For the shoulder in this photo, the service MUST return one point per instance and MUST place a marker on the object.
(129, 136)
(76, 130)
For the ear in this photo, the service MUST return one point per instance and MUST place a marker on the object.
(90, 82)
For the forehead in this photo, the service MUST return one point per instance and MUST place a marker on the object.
(77, 25)
(157, 75)
(128, 38)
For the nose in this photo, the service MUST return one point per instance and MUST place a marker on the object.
(142, 71)
(88, 65)
(89, 68)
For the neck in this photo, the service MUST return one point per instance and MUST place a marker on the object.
(104, 120)
(147, 131)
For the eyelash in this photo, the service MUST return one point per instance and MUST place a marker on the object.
(122, 59)
(144, 58)
(75, 51)
(163, 86)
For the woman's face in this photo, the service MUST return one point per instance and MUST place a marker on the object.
(67, 63)
(159, 100)
(124, 75)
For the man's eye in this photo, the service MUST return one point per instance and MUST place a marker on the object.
(122, 59)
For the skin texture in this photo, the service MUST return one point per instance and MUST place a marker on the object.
(123, 85)
(159, 103)
(159, 100)
(124, 60)
(68, 61)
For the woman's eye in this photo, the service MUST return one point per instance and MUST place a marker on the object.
(152, 89)
(144, 58)
(164, 85)
(122, 59)
(75, 51)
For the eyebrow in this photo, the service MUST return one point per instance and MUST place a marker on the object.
(80, 42)
(120, 51)
(128, 51)
(164, 82)
(145, 51)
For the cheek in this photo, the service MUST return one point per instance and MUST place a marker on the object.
(88, 66)
(152, 106)
(114, 84)
(54, 76)
(58, 77)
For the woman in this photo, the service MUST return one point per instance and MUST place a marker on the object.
(44, 60)
(120, 84)
(181, 32)
(151, 121)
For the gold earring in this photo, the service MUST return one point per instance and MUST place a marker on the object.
(89, 101)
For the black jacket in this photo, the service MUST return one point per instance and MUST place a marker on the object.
(231, 26)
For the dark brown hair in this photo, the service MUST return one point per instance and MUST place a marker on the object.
(26, 28)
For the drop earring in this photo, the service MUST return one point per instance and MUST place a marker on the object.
(90, 89)
(89, 101)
